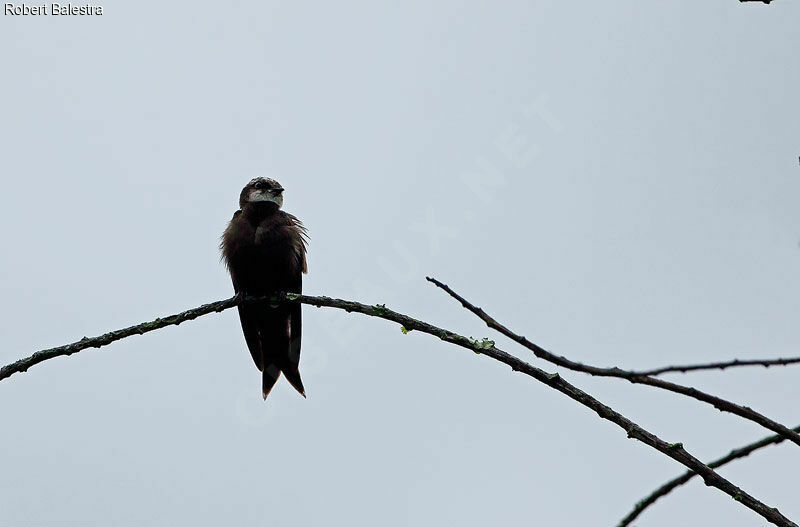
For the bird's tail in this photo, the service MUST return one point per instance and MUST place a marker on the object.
(279, 352)
(272, 373)
(292, 375)
(269, 376)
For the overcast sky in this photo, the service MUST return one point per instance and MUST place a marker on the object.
(618, 181)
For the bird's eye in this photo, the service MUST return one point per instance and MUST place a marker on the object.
(260, 185)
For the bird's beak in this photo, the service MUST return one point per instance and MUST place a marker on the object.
(277, 191)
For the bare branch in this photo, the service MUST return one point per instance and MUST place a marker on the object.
(719, 365)
(717, 402)
(671, 485)
(113, 336)
(482, 347)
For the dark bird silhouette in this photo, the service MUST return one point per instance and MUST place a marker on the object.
(264, 249)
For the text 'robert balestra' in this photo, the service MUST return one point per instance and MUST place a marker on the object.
(52, 9)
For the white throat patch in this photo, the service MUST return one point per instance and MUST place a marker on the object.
(265, 195)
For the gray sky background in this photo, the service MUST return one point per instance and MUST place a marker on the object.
(618, 181)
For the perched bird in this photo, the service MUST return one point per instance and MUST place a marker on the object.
(264, 249)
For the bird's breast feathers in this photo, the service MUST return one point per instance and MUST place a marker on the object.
(278, 240)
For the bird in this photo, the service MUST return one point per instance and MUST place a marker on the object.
(264, 250)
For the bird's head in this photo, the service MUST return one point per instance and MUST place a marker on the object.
(262, 190)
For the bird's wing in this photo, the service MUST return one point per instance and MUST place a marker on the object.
(249, 316)
(300, 241)
(292, 371)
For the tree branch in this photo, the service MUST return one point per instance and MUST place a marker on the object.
(717, 402)
(483, 347)
(719, 365)
(113, 336)
(671, 485)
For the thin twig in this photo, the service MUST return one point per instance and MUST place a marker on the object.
(671, 485)
(719, 365)
(483, 347)
(718, 403)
